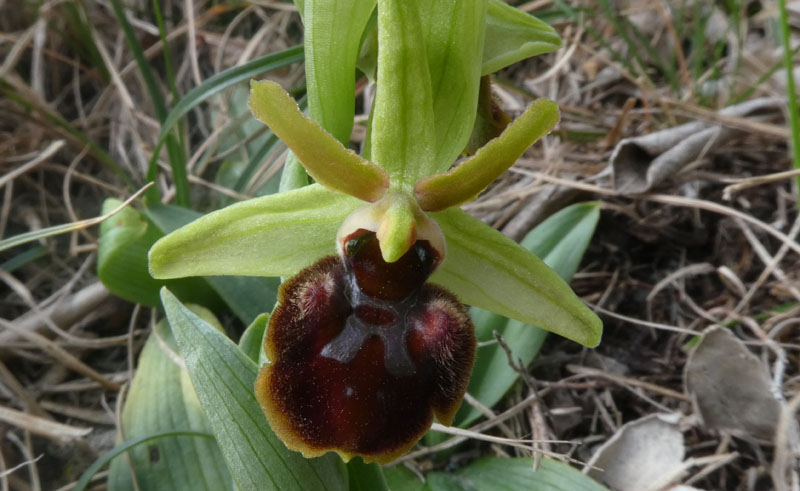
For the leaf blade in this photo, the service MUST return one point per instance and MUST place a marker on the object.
(223, 377)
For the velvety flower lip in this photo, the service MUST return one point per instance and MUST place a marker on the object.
(359, 367)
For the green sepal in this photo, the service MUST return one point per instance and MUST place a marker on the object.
(513, 35)
(403, 135)
(333, 32)
(560, 241)
(276, 235)
(465, 182)
(323, 156)
(453, 33)
(486, 269)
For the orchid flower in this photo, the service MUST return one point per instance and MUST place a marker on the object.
(370, 338)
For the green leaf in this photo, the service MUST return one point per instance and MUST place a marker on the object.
(365, 477)
(324, 157)
(453, 32)
(486, 269)
(403, 134)
(560, 241)
(115, 452)
(223, 377)
(513, 35)
(162, 399)
(501, 474)
(247, 297)
(122, 260)
(252, 340)
(399, 478)
(332, 40)
(276, 235)
(472, 176)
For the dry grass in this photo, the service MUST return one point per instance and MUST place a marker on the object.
(714, 243)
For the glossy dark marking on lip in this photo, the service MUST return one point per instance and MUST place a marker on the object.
(359, 374)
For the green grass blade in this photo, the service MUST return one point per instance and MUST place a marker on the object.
(214, 85)
(502, 474)
(788, 64)
(177, 157)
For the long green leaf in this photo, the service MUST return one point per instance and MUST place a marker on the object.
(223, 377)
(365, 477)
(122, 260)
(161, 399)
(560, 241)
(500, 474)
(399, 478)
(486, 269)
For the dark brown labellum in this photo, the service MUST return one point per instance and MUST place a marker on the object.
(363, 354)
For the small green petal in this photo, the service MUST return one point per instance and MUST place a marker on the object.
(324, 157)
(513, 35)
(403, 136)
(486, 269)
(466, 181)
(276, 235)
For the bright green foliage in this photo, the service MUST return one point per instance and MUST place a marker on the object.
(512, 36)
(223, 377)
(499, 474)
(161, 398)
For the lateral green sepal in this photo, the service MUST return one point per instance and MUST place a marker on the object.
(486, 269)
(276, 235)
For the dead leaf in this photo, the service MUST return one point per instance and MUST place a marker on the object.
(642, 162)
(646, 454)
(730, 388)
